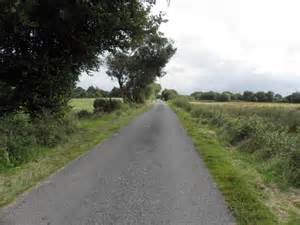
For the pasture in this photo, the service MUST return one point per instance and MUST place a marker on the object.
(78, 104)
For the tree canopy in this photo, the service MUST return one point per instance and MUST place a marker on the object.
(139, 66)
(45, 45)
(169, 94)
(91, 92)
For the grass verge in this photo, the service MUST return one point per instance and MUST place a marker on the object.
(238, 181)
(90, 131)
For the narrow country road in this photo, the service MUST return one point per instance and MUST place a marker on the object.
(147, 174)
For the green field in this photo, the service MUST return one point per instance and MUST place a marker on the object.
(78, 104)
(282, 115)
(247, 104)
(253, 152)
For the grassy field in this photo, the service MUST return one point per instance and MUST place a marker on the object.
(78, 104)
(252, 150)
(90, 131)
(280, 114)
(247, 104)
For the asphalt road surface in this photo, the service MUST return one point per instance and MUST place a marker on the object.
(146, 174)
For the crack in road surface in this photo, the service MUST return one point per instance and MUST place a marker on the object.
(147, 174)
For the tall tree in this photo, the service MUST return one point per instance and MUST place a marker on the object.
(118, 68)
(79, 92)
(46, 44)
(139, 66)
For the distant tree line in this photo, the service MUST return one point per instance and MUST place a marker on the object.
(151, 92)
(249, 96)
(91, 92)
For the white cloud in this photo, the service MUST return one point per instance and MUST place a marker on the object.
(98, 79)
(232, 45)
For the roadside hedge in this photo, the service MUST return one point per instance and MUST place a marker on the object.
(107, 105)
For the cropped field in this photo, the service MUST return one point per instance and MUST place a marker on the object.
(253, 152)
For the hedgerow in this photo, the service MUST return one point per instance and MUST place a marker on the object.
(22, 136)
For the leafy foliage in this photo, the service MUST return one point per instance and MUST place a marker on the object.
(182, 102)
(224, 97)
(139, 66)
(91, 92)
(248, 96)
(153, 90)
(107, 105)
(84, 114)
(21, 136)
(294, 97)
(115, 92)
(45, 45)
(169, 94)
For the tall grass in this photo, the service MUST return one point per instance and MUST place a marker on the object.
(252, 151)
(22, 138)
(270, 135)
(236, 184)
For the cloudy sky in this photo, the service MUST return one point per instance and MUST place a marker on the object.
(231, 45)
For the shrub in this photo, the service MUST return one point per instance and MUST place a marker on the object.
(183, 103)
(17, 134)
(243, 128)
(84, 114)
(168, 94)
(107, 105)
(51, 129)
(20, 136)
(4, 158)
(115, 104)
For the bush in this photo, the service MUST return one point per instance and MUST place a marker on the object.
(183, 103)
(169, 94)
(84, 114)
(20, 136)
(107, 105)
(4, 158)
(242, 129)
(51, 129)
(17, 134)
